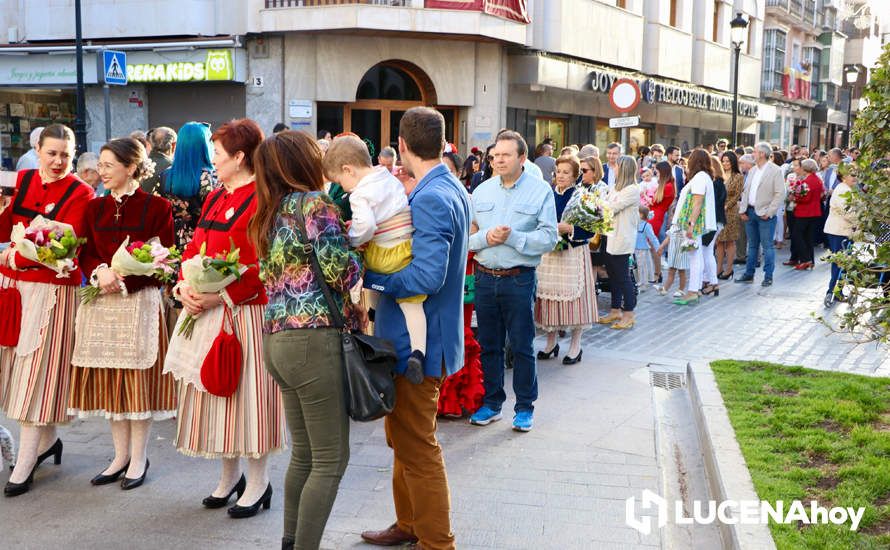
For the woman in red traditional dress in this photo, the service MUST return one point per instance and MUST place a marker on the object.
(121, 337)
(35, 373)
(249, 423)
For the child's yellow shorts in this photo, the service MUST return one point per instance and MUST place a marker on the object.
(390, 260)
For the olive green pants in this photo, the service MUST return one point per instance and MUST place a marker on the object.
(307, 364)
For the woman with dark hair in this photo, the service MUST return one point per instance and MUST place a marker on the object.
(726, 240)
(718, 201)
(485, 171)
(301, 341)
(469, 168)
(35, 373)
(121, 338)
(695, 216)
(453, 162)
(664, 197)
(189, 179)
(250, 422)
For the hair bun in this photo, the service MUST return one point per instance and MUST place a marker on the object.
(146, 169)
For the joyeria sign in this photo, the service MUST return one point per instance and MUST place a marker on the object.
(732, 512)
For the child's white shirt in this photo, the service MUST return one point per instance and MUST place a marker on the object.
(377, 197)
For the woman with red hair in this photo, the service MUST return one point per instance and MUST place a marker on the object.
(250, 422)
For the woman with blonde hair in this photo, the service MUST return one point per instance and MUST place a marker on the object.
(624, 200)
(565, 296)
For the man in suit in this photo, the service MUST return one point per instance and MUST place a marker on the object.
(673, 156)
(441, 214)
(762, 198)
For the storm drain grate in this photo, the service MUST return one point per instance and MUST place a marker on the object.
(667, 380)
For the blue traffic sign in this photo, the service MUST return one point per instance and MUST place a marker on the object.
(114, 67)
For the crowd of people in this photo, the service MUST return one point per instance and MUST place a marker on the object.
(430, 237)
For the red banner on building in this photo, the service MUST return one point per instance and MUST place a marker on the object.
(514, 10)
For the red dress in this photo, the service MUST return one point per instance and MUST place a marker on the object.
(660, 209)
(810, 206)
(463, 390)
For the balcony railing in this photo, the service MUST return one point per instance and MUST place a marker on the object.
(777, 4)
(313, 3)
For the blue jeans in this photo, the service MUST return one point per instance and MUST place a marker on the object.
(760, 234)
(505, 309)
(836, 243)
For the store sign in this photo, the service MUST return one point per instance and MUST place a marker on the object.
(657, 91)
(31, 70)
(218, 65)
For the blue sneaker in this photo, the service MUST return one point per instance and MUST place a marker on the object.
(485, 416)
(523, 421)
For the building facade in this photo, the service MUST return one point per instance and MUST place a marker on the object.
(541, 66)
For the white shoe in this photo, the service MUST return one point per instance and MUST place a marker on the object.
(678, 294)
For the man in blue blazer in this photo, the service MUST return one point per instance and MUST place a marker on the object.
(441, 214)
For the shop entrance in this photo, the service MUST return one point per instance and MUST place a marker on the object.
(175, 104)
(552, 128)
(384, 93)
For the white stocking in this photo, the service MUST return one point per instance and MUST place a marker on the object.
(257, 481)
(120, 437)
(48, 437)
(28, 450)
(415, 319)
(231, 472)
(575, 346)
(139, 430)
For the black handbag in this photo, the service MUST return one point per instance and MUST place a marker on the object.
(368, 362)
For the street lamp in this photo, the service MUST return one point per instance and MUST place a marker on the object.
(851, 74)
(737, 34)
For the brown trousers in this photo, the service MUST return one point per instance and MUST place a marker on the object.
(419, 484)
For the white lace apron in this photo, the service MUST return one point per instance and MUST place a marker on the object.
(186, 355)
(561, 274)
(115, 331)
(38, 301)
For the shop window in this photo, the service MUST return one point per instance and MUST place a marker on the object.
(330, 118)
(23, 110)
(553, 128)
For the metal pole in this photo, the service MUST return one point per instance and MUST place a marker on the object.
(849, 114)
(735, 94)
(80, 125)
(106, 92)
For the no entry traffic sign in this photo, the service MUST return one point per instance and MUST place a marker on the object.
(624, 95)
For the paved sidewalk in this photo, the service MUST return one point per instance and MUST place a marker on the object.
(561, 486)
(746, 321)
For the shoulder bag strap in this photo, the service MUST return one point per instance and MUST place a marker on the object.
(309, 250)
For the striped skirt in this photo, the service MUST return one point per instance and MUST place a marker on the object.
(125, 394)
(250, 423)
(34, 387)
(580, 312)
(645, 268)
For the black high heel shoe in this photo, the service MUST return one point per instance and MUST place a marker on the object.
(265, 501)
(543, 355)
(711, 290)
(129, 483)
(726, 276)
(105, 479)
(572, 360)
(219, 502)
(15, 489)
(54, 451)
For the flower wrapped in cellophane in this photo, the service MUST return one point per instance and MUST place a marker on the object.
(148, 259)
(50, 243)
(588, 209)
(209, 274)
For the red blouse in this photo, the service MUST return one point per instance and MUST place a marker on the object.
(660, 209)
(64, 201)
(142, 217)
(810, 206)
(225, 216)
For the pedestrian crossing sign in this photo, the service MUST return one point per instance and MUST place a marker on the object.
(114, 67)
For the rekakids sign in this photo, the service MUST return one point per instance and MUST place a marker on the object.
(218, 65)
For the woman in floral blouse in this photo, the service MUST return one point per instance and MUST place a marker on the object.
(301, 346)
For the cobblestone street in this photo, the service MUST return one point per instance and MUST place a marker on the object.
(746, 321)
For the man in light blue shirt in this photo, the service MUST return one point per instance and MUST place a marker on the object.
(516, 218)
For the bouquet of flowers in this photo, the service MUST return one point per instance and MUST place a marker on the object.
(797, 190)
(149, 259)
(209, 274)
(49, 243)
(588, 210)
(688, 245)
